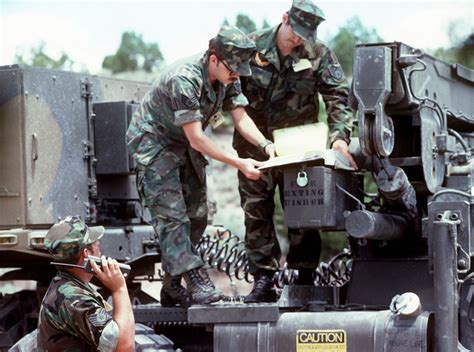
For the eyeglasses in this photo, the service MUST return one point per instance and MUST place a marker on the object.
(226, 65)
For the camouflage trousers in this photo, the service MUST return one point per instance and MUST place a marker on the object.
(262, 247)
(178, 207)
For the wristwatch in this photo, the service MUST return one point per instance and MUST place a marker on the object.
(263, 144)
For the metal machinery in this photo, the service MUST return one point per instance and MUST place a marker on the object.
(62, 151)
(405, 285)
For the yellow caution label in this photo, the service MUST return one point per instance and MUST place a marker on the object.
(321, 340)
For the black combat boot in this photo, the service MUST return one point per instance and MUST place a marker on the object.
(205, 276)
(172, 292)
(199, 291)
(262, 288)
(305, 277)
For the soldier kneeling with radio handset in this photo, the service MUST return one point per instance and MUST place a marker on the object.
(73, 314)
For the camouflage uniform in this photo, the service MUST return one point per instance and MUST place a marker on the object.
(171, 175)
(73, 315)
(283, 96)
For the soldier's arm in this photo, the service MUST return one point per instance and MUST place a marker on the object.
(335, 92)
(84, 315)
(203, 144)
(247, 128)
(111, 276)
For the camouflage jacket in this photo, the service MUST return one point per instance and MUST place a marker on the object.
(74, 317)
(181, 94)
(285, 93)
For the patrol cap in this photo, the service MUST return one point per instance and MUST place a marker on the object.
(67, 237)
(235, 48)
(305, 17)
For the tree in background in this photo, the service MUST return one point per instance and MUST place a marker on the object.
(466, 51)
(37, 57)
(134, 54)
(246, 24)
(265, 24)
(349, 35)
(461, 49)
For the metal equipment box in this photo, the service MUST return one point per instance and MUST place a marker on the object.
(47, 161)
(316, 197)
(111, 123)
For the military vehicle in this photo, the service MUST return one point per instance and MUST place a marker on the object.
(405, 284)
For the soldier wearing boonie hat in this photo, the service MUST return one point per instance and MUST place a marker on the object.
(166, 139)
(291, 68)
(73, 315)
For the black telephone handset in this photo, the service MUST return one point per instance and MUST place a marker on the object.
(125, 268)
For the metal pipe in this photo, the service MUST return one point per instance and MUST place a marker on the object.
(375, 226)
(445, 281)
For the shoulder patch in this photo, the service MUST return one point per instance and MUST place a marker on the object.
(237, 85)
(190, 101)
(261, 61)
(99, 318)
(336, 72)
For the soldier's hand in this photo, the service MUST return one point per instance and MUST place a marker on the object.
(270, 150)
(109, 274)
(342, 147)
(249, 168)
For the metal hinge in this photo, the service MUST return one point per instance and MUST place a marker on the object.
(92, 183)
(87, 88)
(91, 212)
(88, 150)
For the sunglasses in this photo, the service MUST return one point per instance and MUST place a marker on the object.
(226, 65)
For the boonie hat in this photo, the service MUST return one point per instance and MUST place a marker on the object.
(235, 48)
(67, 237)
(305, 17)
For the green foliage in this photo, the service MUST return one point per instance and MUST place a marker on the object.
(465, 54)
(461, 50)
(265, 24)
(134, 54)
(38, 58)
(332, 244)
(350, 34)
(244, 23)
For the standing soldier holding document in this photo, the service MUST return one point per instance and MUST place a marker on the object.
(290, 69)
(166, 139)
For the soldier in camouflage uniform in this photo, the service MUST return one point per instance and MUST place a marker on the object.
(166, 139)
(289, 69)
(73, 315)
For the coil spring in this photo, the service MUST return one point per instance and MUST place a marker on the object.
(226, 253)
(335, 273)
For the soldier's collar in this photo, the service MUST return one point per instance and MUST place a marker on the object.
(211, 94)
(299, 53)
(269, 48)
(64, 274)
